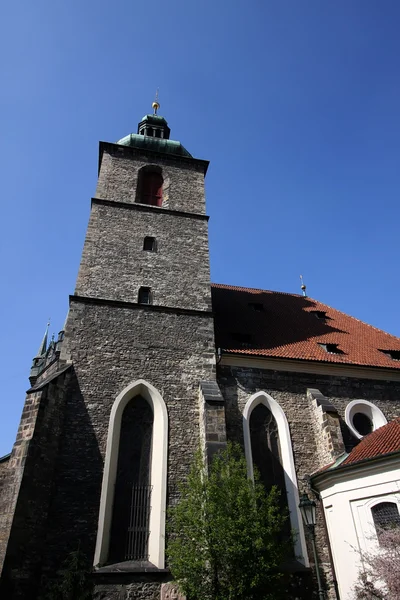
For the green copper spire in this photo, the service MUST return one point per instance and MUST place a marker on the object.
(43, 345)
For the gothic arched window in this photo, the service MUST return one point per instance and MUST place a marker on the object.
(133, 495)
(268, 446)
(386, 516)
(265, 451)
(150, 186)
(131, 510)
(265, 448)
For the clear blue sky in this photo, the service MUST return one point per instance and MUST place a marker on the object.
(296, 104)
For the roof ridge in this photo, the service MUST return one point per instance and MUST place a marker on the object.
(240, 287)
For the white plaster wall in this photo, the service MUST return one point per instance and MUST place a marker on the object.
(348, 499)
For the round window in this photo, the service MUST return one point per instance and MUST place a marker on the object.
(362, 423)
(362, 417)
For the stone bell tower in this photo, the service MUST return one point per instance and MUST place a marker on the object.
(138, 341)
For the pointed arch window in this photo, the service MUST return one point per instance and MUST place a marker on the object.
(265, 448)
(268, 446)
(150, 186)
(133, 496)
(131, 510)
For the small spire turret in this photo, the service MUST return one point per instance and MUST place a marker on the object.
(40, 357)
(43, 345)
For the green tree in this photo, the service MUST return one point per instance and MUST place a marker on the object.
(226, 533)
(73, 581)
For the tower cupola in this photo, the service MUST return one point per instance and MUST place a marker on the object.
(153, 134)
(154, 126)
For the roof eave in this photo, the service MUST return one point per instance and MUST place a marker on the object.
(336, 472)
(238, 352)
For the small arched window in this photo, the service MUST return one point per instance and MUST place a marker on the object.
(150, 244)
(150, 187)
(386, 516)
(144, 296)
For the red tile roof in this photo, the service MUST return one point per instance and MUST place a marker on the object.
(382, 441)
(286, 328)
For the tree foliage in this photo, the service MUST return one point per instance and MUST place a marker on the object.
(226, 533)
(380, 579)
(73, 580)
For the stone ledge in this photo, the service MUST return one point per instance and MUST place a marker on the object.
(130, 566)
(149, 208)
(42, 384)
(135, 305)
(321, 400)
(211, 392)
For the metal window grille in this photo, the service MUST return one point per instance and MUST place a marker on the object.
(137, 534)
(386, 516)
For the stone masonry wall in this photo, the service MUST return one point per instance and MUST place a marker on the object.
(183, 188)
(114, 264)
(290, 391)
(112, 347)
(29, 489)
(325, 423)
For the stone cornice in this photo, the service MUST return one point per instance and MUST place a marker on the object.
(149, 208)
(136, 306)
(186, 160)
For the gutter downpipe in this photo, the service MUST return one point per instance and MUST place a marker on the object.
(328, 542)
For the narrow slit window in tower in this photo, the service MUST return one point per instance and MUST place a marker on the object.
(150, 244)
(144, 296)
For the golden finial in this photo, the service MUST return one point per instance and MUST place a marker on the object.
(156, 104)
(303, 286)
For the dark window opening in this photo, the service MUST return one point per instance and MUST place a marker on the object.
(257, 306)
(150, 244)
(150, 185)
(393, 354)
(150, 131)
(362, 423)
(157, 133)
(331, 348)
(144, 295)
(386, 516)
(320, 314)
(132, 492)
(265, 449)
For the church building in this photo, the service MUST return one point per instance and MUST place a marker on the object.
(154, 361)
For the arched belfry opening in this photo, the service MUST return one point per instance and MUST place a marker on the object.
(150, 186)
(133, 496)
